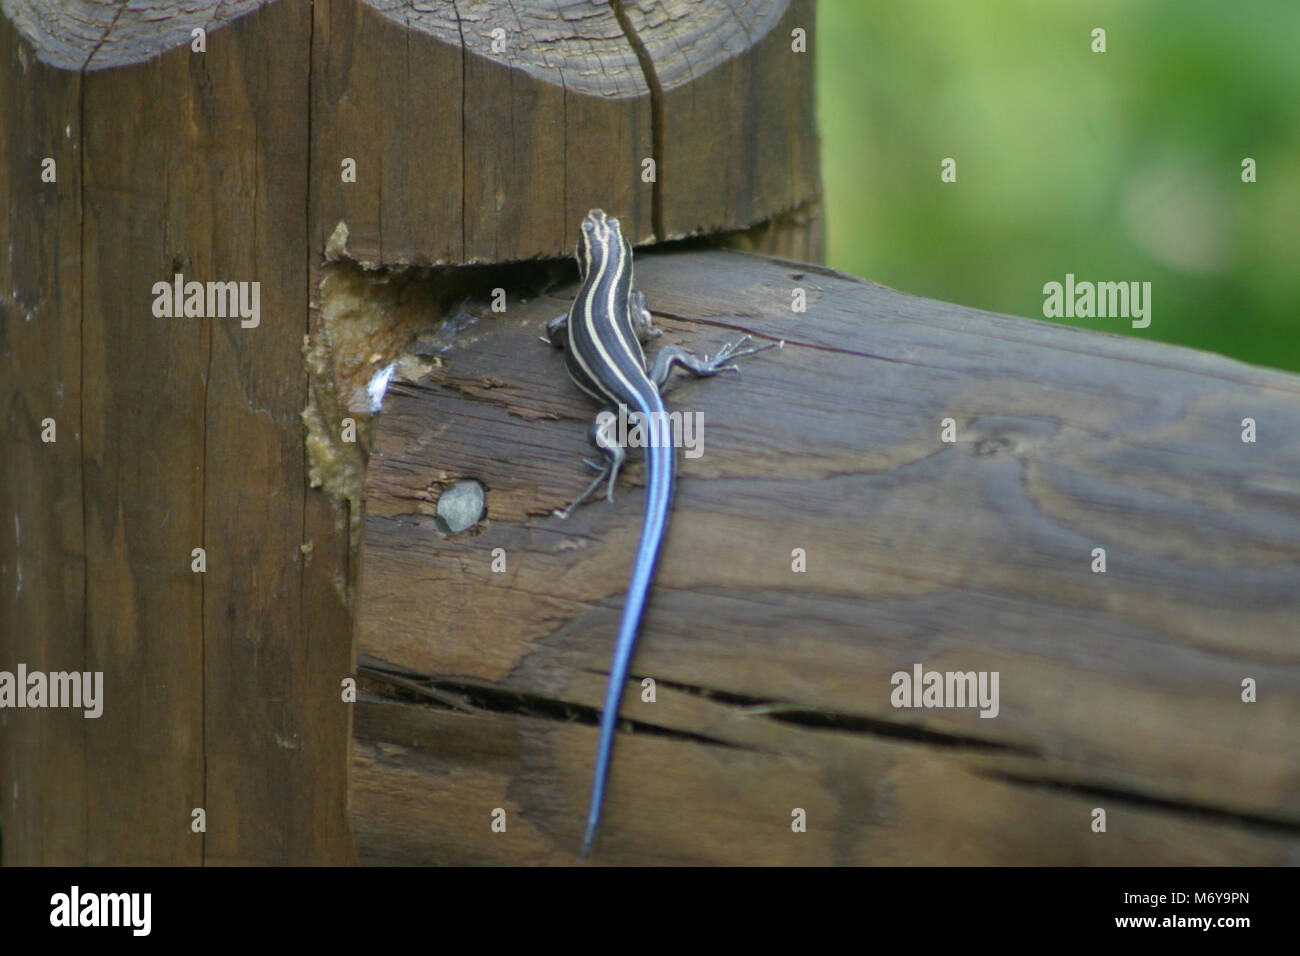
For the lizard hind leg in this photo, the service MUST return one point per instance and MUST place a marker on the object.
(602, 434)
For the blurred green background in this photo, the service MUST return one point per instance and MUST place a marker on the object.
(1115, 166)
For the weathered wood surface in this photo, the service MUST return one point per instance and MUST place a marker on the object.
(42, 579)
(1119, 690)
(223, 689)
(504, 151)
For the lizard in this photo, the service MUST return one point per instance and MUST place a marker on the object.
(602, 335)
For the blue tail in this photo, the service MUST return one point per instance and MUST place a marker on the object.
(659, 460)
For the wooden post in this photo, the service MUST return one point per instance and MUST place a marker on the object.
(271, 145)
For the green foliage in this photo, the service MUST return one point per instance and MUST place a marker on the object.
(1115, 166)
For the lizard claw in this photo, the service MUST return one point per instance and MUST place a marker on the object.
(732, 350)
(726, 351)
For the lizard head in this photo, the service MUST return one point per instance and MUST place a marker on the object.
(598, 238)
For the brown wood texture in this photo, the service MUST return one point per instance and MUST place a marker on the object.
(42, 576)
(479, 155)
(1118, 690)
(223, 688)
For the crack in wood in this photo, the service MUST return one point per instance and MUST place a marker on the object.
(656, 114)
(475, 696)
(1136, 798)
(789, 713)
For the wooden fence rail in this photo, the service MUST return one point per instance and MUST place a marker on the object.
(947, 476)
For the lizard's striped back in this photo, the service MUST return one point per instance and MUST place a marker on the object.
(603, 355)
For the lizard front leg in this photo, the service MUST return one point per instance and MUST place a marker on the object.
(643, 323)
(671, 355)
(557, 329)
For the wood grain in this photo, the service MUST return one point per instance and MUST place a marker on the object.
(222, 688)
(43, 765)
(491, 153)
(1119, 690)
(483, 130)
